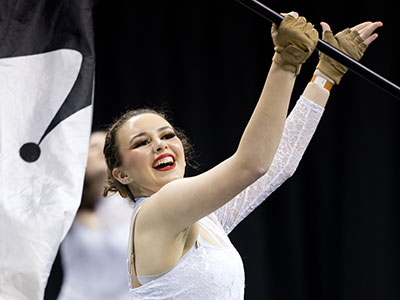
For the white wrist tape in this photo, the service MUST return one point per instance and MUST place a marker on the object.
(326, 84)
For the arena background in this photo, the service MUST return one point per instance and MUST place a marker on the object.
(332, 230)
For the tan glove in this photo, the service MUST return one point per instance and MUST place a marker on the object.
(294, 40)
(347, 41)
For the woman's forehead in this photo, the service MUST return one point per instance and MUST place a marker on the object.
(143, 123)
(146, 121)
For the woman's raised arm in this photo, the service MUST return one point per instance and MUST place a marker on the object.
(180, 203)
(300, 124)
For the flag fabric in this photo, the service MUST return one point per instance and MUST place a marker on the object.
(46, 91)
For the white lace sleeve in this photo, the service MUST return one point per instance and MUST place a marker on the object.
(299, 128)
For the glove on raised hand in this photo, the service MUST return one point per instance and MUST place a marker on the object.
(294, 40)
(347, 41)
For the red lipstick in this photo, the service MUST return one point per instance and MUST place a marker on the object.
(164, 166)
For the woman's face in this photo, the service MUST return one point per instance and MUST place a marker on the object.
(152, 154)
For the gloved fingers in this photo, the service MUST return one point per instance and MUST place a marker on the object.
(295, 31)
(294, 41)
(292, 13)
(328, 37)
(301, 21)
(299, 31)
(309, 29)
(352, 41)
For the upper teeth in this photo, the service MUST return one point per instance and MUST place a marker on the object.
(164, 160)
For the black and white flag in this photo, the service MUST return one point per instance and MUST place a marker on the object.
(46, 91)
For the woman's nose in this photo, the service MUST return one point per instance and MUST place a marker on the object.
(160, 145)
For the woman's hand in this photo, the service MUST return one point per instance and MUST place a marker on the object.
(352, 41)
(295, 39)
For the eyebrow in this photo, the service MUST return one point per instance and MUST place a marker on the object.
(144, 133)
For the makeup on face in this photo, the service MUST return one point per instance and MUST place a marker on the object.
(135, 144)
(164, 162)
(151, 152)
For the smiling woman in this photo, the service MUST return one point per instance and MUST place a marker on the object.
(144, 140)
(178, 245)
(112, 147)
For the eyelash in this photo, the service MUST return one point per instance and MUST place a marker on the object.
(166, 136)
(140, 143)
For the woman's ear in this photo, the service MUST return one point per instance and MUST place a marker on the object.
(121, 176)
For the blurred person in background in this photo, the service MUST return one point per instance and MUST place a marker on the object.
(93, 254)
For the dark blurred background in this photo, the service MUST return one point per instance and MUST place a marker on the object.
(329, 232)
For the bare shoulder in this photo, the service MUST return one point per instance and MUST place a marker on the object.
(150, 217)
(159, 213)
(157, 249)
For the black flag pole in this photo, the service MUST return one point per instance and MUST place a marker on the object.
(329, 50)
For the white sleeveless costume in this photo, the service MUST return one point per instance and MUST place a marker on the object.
(94, 260)
(209, 273)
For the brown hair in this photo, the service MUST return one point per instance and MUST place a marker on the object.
(113, 156)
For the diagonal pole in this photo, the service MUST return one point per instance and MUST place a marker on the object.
(329, 50)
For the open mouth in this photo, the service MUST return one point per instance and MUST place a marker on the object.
(164, 162)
